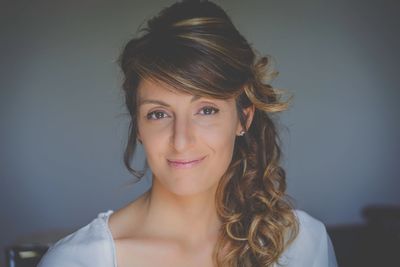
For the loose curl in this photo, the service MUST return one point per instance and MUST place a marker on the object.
(194, 47)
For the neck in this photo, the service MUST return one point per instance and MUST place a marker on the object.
(191, 219)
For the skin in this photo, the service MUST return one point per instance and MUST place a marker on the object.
(189, 143)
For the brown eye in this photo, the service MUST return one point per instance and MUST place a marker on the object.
(208, 111)
(156, 115)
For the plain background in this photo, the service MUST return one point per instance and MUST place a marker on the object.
(64, 124)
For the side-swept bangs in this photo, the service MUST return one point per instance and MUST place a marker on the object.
(196, 56)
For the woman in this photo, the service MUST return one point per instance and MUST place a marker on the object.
(200, 106)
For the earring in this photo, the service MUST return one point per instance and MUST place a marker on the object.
(242, 133)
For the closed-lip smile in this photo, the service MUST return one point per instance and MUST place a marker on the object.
(184, 163)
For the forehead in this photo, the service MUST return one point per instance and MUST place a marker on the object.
(153, 88)
(150, 89)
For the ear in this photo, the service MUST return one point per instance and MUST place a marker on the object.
(138, 138)
(249, 114)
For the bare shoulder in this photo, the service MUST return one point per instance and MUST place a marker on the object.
(125, 221)
(125, 226)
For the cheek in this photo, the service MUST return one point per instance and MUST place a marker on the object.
(153, 139)
(220, 139)
(220, 145)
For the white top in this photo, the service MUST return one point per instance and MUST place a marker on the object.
(93, 245)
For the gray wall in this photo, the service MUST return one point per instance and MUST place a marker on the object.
(63, 123)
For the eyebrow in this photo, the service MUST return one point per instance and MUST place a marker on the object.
(162, 103)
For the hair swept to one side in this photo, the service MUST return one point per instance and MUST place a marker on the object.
(194, 47)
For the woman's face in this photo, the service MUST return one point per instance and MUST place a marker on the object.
(188, 140)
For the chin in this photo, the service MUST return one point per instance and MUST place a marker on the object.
(188, 186)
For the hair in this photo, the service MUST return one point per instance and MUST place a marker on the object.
(194, 47)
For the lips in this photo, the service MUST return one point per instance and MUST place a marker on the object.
(185, 163)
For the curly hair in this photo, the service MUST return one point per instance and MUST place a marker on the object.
(194, 47)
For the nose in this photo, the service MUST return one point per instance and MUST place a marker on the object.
(183, 134)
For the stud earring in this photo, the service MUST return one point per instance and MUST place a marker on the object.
(241, 133)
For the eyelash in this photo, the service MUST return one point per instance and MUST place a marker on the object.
(213, 110)
(150, 116)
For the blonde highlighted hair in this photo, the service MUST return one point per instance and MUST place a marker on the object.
(194, 47)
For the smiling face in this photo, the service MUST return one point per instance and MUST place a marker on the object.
(188, 140)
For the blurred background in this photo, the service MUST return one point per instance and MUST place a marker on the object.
(64, 124)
